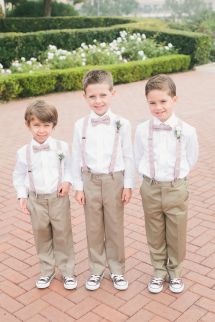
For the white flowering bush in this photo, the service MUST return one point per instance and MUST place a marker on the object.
(127, 47)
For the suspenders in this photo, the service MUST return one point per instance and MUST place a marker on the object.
(151, 153)
(83, 147)
(29, 165)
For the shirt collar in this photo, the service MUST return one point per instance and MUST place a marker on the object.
(48, 141)
(172, 120)
(96, 116)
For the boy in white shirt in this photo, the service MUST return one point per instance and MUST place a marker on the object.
(166, 148)
(42, 178)
(102, 167)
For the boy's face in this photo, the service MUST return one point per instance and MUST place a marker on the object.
(98, 97)
(40, 130)
(161, 104)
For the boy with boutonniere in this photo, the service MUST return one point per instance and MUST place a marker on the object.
(102, 168)
(42, 179)
(166, 149)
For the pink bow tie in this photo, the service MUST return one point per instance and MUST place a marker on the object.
(101, 120)
(42, 147)
(162, 127)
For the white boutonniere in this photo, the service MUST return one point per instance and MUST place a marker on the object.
(178, 132)
(118, 125)
(60, 155)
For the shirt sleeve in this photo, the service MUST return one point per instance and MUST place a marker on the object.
(19, 175)
(67, 176)
(128, 156)
(192, 148)
(76, 160)
(138, 147)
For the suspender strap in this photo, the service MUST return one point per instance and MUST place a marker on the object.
(83, 144)
(114, 153)
(151, 152)
(178, 154)
(29, 165)
(59, 148)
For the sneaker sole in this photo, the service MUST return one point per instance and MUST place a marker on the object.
(45, 285)
(120, 288)
(70, 287)
(176, 291)
(155, 291)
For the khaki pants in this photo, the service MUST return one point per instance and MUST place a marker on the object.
(105, 221)
(165, 209)
(51, 222)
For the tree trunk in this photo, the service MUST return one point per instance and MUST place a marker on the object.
(47, 8)
(2, 8)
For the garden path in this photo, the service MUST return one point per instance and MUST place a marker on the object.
(21, 301)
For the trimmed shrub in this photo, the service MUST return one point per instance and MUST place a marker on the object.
(33, 44)
(24, 85)
(30, 24)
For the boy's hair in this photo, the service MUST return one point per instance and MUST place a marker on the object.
(44, 111)
(97, 76)
(161, 82)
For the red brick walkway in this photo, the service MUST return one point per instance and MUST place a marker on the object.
(21, 301)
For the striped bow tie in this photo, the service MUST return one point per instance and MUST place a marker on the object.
(101, 120)
(162, 127)
(42, 147)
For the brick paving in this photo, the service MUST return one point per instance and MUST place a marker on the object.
(21, 301)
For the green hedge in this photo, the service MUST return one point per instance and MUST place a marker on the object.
(29, 24)
(25, 85)
(16, 45)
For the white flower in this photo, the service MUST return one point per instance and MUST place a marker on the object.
(29, 62)
(50, 55)
(8, 71)
(23, 59)
(143, 36)
(1, 66)
(141, 53)
(33, 59)
(170, 45)
(52, 47)
(62, 58)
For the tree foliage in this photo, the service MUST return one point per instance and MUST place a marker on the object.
(181, 8)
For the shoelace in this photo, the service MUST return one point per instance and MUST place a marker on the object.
(118, 278)
(44, 279)
(157, 281)
(94, 278)
(69, 279)
(176, 281)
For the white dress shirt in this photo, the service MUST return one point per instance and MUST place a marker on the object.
(99, 148)
(164, 149)
(45, 168)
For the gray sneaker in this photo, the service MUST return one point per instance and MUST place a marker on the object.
(93, 282)
(119, 282)
(69, 283)
(44, 281)
(176, 285)
(156, 285)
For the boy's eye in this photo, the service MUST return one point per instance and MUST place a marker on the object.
(163, 101)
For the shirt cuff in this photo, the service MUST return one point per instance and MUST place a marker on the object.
(22, 193)
(128, 183)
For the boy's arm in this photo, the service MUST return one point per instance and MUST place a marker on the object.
(76, 161)
(19, 175)
(138, 149)
(192, 148)
(128, 156)
(64, 187)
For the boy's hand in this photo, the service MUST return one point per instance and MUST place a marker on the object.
(80, 197)
(63, 189)
(23, 206)
(126, 195)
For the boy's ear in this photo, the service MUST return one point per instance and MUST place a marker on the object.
(26, 124)
(113, 92)
(175, 99)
